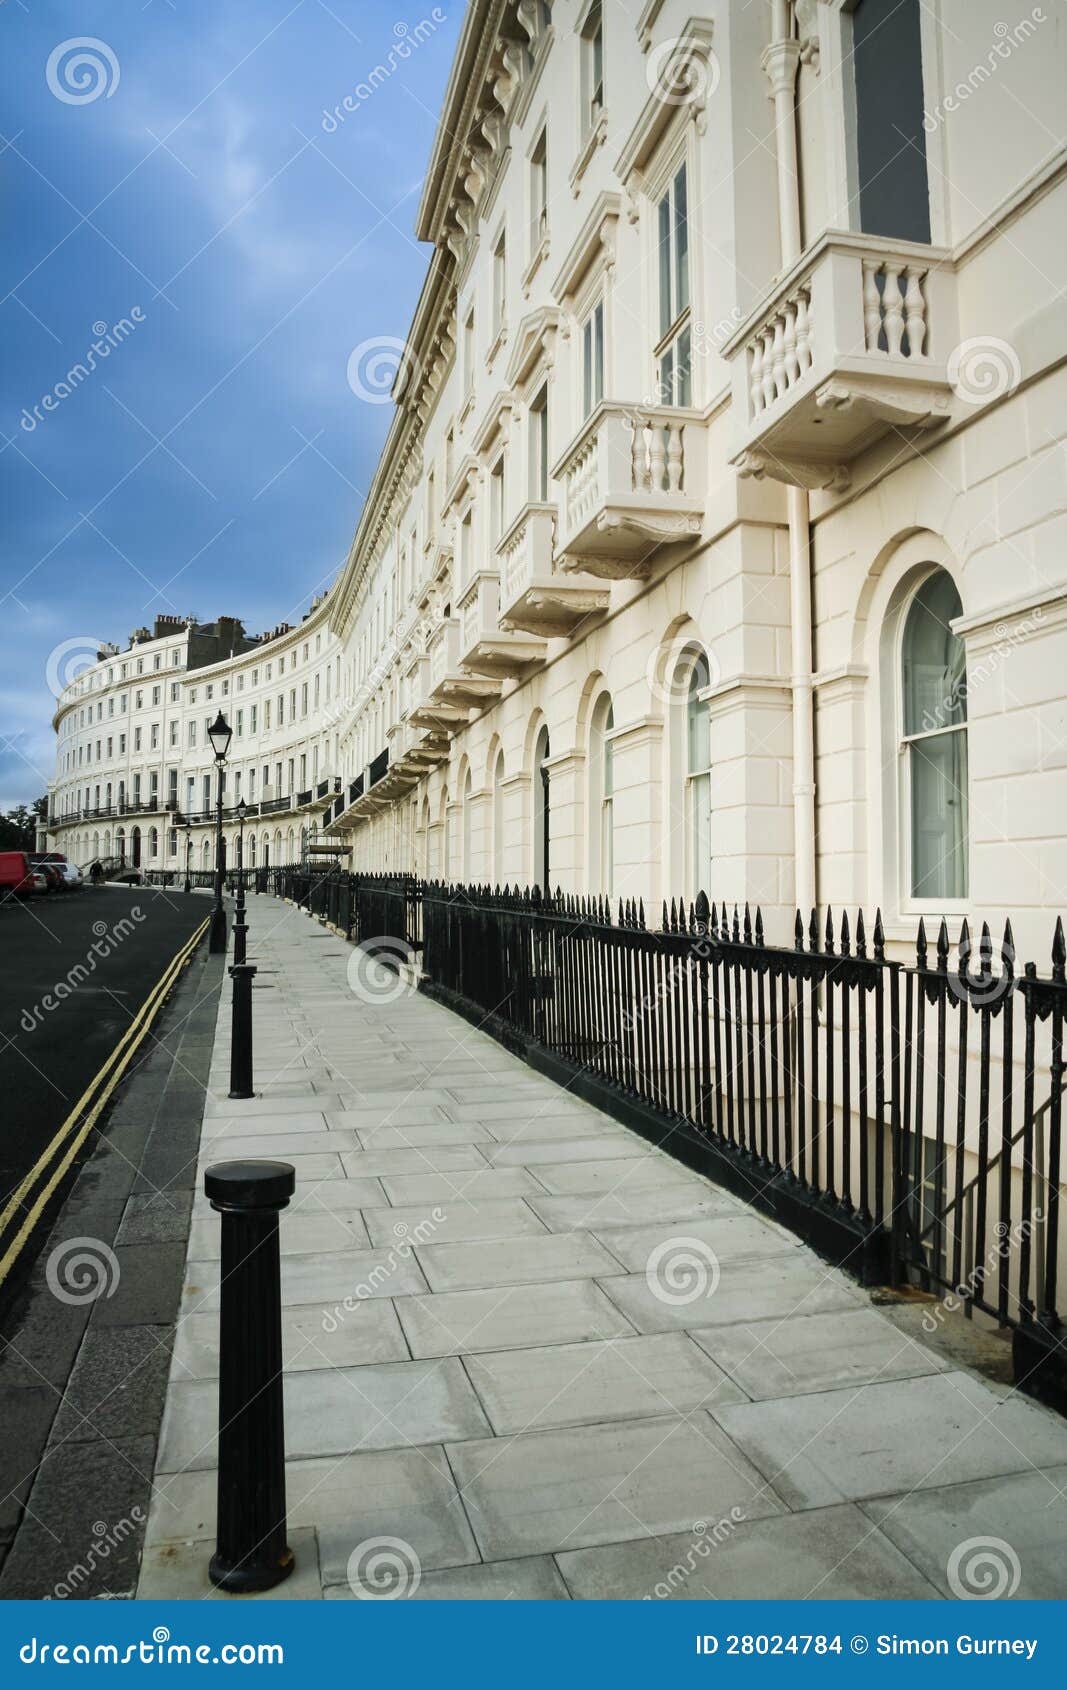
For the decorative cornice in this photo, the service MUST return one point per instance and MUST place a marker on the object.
(595, 239)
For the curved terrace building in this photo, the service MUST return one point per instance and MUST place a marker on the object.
(717, 540)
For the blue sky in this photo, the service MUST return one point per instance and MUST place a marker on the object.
(216, 460)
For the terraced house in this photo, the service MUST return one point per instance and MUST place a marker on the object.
(717, 544)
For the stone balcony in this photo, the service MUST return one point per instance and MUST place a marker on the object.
(450, 683)
(483, 646)
(633, 482)
(425, 710)
(414, 751)
(535, 597)
(851, 343)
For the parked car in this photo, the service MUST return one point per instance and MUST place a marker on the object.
(51, 872)
(71, 873)
(16, 875)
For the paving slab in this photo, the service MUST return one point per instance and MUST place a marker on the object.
(726, 1238)
(615, 1174)
(312, 1233)
(630, 1207)
(816, 1352)
(178, 1572)
(600, 1147)
(342, 1278)
(515, 1261)
(778, 1287)
(523, 1316)
(456, 1219)
(413, 1159)
(311, 1337)
(544, 1492)
(881, 1439)
(997, 1539)
(587, 1384)
(470, 1185)
(534, 1580)
(825, 1554)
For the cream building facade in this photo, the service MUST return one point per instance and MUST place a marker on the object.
(718, 537)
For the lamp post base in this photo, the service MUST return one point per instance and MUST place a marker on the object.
(217, 931)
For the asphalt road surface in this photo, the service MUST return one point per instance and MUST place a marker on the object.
(75, 968)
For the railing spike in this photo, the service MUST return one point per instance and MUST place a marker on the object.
(641, 910)
(813, 930)
(1008, 950)
(736, 930)
(942, 947)
(845, 937)
(879, 937)
(703, 912)
(759, 925)
(985, 951)
(861, 935)
(829, 931)
(964, 952)
(920, 945)
(1059, 950)
(715, 920)
(747, 928)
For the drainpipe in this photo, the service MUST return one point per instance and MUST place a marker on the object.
(780, 63)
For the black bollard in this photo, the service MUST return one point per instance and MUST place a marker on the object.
(240, 926)
(251, 1552)
(242, 974)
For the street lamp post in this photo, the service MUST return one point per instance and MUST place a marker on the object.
(219, 733)
(240, 925)
(188, 853)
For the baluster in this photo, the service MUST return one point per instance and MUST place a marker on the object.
(657, 458)
(792, 366)
(805, 327)
(768, 367)
(914, 309)
(893, 301)
(755, 375)
(640, 473)
(872, 304)
(675, 461)
(778, 358)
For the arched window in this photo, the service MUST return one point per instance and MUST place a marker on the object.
(602, 795)
(251, 850)
(697, 795)
(153, 842)
(542, 811)
(498, 819)
(467, 819)
(934, 743)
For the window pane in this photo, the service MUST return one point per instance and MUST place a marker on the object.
(699, 793)
(939, 816)
(598, 347)
(890, 138)
(681, 242)
(935, 673)
(684, 384)
(587, 367)
(665, 314)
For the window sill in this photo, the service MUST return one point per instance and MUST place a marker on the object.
(498, 340)
(536, 261)
(595, 138)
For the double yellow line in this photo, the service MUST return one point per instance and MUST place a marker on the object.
(85, 1114)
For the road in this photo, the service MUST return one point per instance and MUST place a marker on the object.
(75, 969)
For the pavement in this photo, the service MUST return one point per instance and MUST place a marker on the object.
(529, 1356)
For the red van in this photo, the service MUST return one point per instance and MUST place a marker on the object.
(16, 875)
